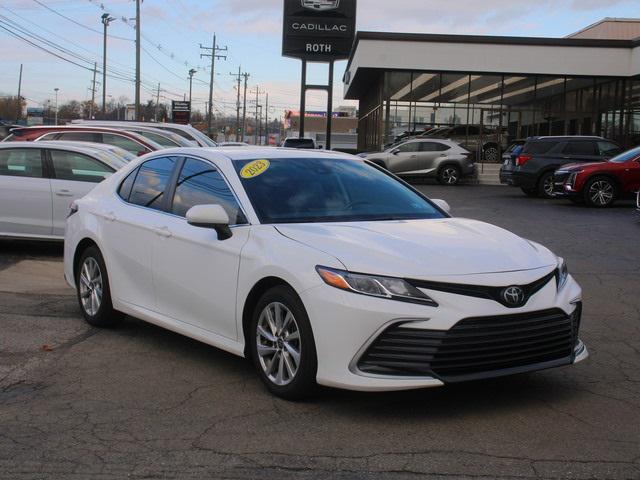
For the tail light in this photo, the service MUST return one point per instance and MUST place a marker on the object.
(522, 159)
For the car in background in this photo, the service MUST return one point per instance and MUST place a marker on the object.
(321, 269)
(534, 167)
(444, 160)
(5, 129)
(164, 138)
(129, 141)
(105, 147)
(602, 183)
(233, 144)
(300, 143)
(39, 180)
(486, 141)
(193, 135)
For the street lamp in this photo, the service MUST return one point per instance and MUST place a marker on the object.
(106, 20)
(192, 72)
(56, 90)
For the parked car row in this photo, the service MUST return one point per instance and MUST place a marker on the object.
(590, 170)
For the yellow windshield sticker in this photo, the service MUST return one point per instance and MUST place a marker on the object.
(255, 168)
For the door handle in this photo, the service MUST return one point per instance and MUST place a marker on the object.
(64, 193)
(162, 231)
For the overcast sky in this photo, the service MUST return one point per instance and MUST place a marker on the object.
(173, 29)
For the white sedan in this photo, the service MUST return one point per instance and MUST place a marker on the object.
(39, 180)
(319, 267)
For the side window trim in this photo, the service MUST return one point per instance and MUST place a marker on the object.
(226, 181)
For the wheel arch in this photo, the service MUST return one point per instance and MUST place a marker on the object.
(250, 302)
(82, 245)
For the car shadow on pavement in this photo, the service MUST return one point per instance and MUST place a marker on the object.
(516, 393)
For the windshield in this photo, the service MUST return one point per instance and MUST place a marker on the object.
(626, 156)
(314, 190)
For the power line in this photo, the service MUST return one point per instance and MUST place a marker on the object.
(78, 23)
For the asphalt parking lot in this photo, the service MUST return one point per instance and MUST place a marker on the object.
(141, 402)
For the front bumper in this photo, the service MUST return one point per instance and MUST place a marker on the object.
(345, 326)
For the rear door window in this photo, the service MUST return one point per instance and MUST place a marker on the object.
(78, 136)
(124, 142)
(21, 162)
(583, 149)
(78, 167)
(151, 182)
(433, 147)
(538, 148)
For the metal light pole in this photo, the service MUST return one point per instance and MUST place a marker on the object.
(56, 90)
(106, 20)
(192, 72)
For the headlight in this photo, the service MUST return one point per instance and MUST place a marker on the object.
(562, 273)
(374, 286)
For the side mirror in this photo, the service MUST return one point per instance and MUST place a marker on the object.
(443, 205)
(210, 216)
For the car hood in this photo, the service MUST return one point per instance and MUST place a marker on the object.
(572, 167)
(422, 249)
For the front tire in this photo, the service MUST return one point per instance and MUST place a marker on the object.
(600, 192)
(282, 345)
(93, 292)
(449, 175)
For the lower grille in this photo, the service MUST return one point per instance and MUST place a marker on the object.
(476, 347)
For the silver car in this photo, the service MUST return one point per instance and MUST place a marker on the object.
(39, 180)
(442, 159)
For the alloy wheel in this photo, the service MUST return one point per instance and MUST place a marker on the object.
(491, 155)
(450, 176)
(91, 286)
(601, 193)
(547, 186)
(278, 343)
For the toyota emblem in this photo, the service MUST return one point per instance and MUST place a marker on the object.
(513, 296)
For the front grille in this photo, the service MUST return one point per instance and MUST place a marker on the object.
(476, 347)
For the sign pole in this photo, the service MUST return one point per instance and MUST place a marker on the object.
(327, 144)
(303, 97)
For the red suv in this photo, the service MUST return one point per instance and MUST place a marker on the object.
(131, 142)
(599, 184)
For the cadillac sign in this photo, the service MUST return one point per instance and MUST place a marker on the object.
(318, 30)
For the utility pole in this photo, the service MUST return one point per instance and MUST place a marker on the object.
(137, 100)
(93, 91)
(257, 117)
(19, 115)
(239, 75)
(244, 106)
(56, 90)
(266, 120)
(192, 72)
(157, 103)
(214, 49)
(106, 20)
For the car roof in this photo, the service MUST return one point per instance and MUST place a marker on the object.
(111, 158)
(566, 137)
(251, 153)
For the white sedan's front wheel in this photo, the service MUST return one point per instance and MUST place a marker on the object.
(282, 344)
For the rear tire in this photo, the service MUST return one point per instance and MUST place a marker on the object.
(93, 291)
(600, 192)
(545, 185)
(529, 192)
(282, 346)
(491, 154)
(449, 175)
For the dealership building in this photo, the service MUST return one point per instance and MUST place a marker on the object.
(502, 88)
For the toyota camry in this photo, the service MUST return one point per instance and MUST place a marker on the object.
(321, 268)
